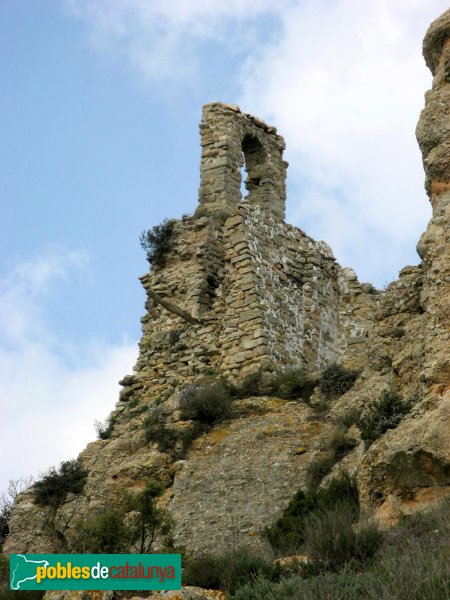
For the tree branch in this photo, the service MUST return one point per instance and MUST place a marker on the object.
(172, 307)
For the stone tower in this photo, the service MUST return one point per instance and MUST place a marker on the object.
(240, 288)
(230, 140)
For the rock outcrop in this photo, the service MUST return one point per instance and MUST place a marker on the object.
(410, 465)
(240, 291)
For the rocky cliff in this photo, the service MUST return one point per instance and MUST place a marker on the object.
(241, 292)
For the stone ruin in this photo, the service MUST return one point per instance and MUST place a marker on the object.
(240, 288)
(230, 139)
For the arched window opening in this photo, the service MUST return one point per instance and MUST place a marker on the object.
(252, 162)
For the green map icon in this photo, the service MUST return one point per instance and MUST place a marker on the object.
(23, 569)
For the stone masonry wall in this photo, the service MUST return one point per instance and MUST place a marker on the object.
(240, 288)
(231, 139)
(290, 302)
(251, 292)
(172, 349)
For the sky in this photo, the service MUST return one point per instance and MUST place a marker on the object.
(100, 102)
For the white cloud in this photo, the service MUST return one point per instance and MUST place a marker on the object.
(343, 80)
(51, 391)
(21, 314)
(345, 85)
(161, 38)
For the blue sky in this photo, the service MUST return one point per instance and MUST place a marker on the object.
(100, 105)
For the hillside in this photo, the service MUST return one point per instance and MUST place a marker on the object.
(304, 372)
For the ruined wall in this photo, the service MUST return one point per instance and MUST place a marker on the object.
(303, 310)
(173, 349)
(230, 140)
(240, 288)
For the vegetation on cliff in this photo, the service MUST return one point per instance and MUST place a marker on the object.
(156, 242)
(382, 414)
(409, 562)
(54, 486)
(132, 525)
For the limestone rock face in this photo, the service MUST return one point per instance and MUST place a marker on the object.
(433, 134)
(409, 466)
(241, 475)
(436, 41)
(241, 290)
(433, 129)
(29, 531)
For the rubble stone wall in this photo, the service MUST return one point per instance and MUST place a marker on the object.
(250, 292)
(240, 288)
(231, 140)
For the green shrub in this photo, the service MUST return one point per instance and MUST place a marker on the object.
(348, 418)
(381, 415)
(412, 564)
(104, 430)
(340, 490)
(151, 521)
(54, 486)
(251, 385)
(229, 571)
(210, 373)
(103, 533)
(318, 467)
(335, 380)
(332, 541)
(204, 571)
(156, 430)
(261, 589)
(133, 525)
(157, 242)
(288, 533)
(133, 403)
(334, 447)
(294, 383)
(209, 402)
(322, 405)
